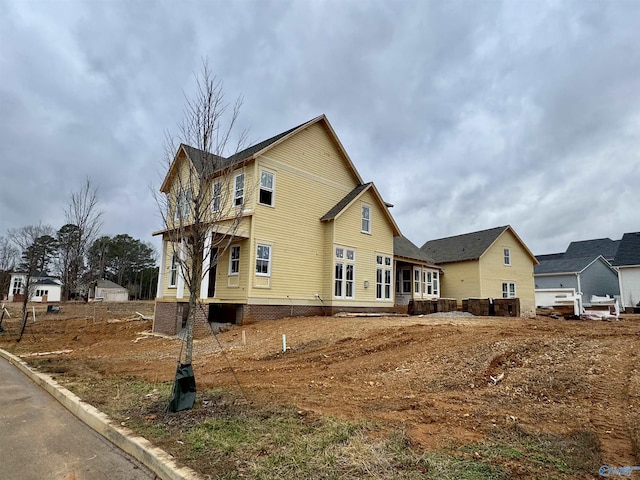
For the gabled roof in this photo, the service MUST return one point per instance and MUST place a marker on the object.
(209, 163)
(565, 265)
(103, 283)
(405, 248)
(47, 281)
(352, 196)
(592, 248)
(468, 246)
(628, 251)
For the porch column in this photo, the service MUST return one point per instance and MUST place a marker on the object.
(206, 261)
(163, 259)
(180, 285)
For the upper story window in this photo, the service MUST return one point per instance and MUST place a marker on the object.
(366, 219)
(266, 188)
(507, 256)
(238, 195)
(263, 260)
(234, 260)
(183, 204)
(216, 197)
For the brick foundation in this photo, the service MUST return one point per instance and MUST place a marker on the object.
(425, 307)
(486, 307)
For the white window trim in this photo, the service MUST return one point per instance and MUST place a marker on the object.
(506, 256)
(270, 247)
(232, 260)
(272, 189)
(218, 197)
(236, 189)
(341, 257)
(383, 267)
(362, 219)
(507, 293)
(173, 267)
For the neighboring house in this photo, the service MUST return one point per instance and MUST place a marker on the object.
(627, 262)
(417, 276)
(588, 275)
(43, 288)
(314, 237)
(108, 291)
(592, 248)
(493, 263)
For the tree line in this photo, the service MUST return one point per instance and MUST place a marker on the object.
(76, 253)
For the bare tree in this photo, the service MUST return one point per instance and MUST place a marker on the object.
(199, 210)
(8, 260)
(33, 241)
(84, 221)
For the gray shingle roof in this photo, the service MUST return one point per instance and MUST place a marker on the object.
(628, 251)
(562, 264)
(210, 163)
(341, 205)
(468, 246)
(403, 247)
(107, 284)
(592, 248)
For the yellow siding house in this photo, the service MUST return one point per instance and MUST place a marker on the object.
(313, 237)
(493, 263)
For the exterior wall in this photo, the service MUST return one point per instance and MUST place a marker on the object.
(310, 177)
(556, 281)
(348, 234)
(598, 279)
(493, 272)
(54, 291)
(112, 294)
(233, 288)
(460, 280)
(629, 285)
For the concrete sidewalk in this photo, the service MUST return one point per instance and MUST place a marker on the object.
(19, 404)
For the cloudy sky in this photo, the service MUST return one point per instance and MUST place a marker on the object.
(467, 115)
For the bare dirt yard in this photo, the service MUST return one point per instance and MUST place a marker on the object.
(446, 382)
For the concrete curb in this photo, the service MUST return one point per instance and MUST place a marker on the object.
(155, 459)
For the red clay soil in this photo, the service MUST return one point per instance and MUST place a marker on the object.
(445, 380)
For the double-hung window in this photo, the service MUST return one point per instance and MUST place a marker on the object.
(263, 260)
(173, 270)
(366, 219)
(17, 286)
(416, 282)
(183, 205)
(266, 188)
(507, 256)
(435, 283)
(238, 195)
(234, 260)
(383, 277)
(216, 197)
(508, 290)
(344, 280)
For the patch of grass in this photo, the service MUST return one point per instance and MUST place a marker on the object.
(557, 456)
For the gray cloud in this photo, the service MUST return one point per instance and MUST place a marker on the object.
(466, 115)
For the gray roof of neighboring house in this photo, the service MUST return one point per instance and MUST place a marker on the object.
(108, 284)
(628, 251)
(592, 248)
(346, 200)
(469, 246)
(47, 281)
(562, 264)
(403, 247)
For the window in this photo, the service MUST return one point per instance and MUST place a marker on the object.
(263, 260)
(266, 188)
(344, 274)
(416, 282)
(234, 260)
(403, 282)
(238, 196)
(383, 277)
(507, 256)
(17, 286)
(183, 205)
(216, 197)
(173, 270)
(508, 290)
(435, 283)
(366, 219)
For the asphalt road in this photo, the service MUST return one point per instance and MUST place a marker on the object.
(40, 439)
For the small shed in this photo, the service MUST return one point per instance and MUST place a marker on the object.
(108, 291)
